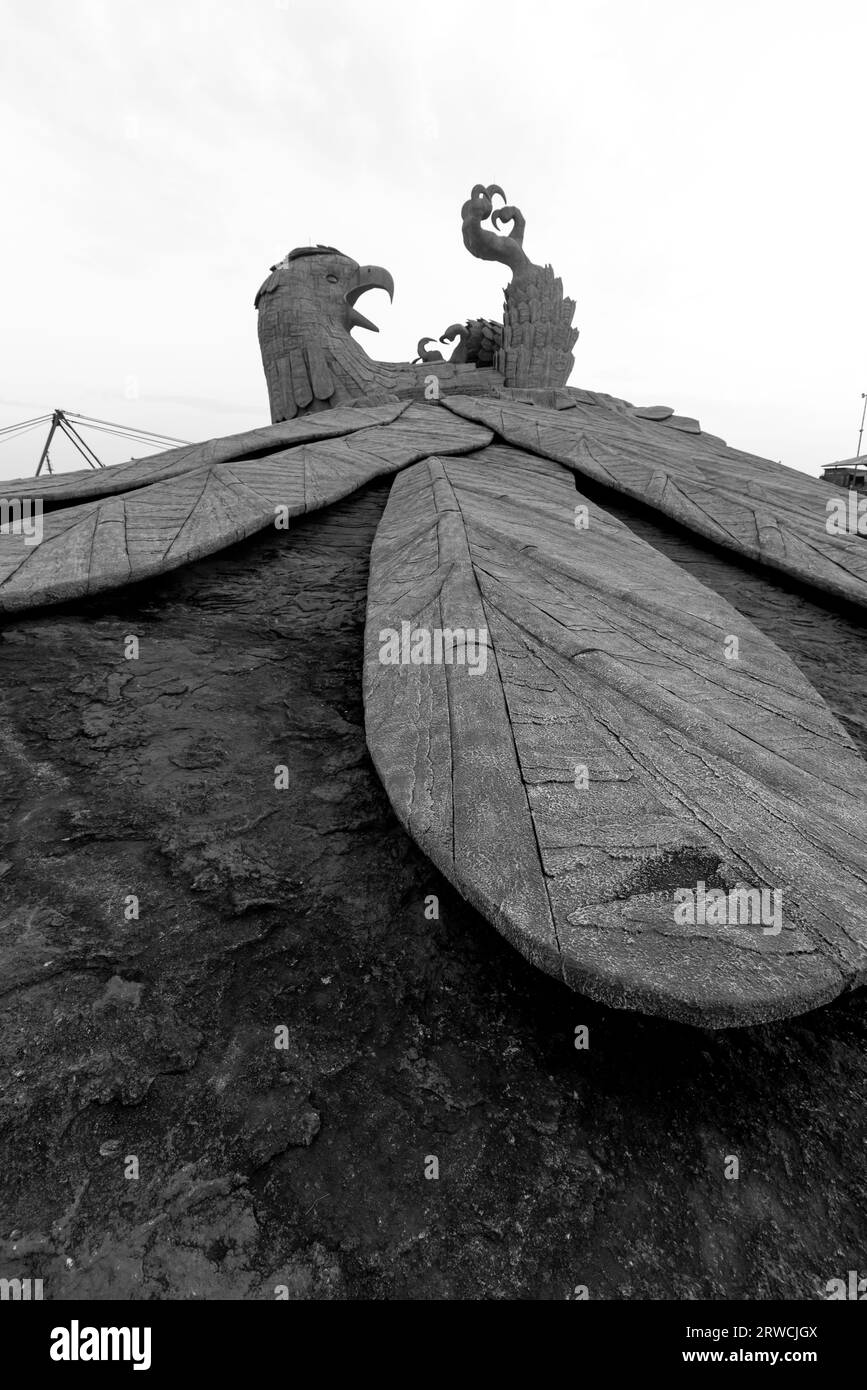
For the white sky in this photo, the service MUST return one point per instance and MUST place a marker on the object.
(694, 171)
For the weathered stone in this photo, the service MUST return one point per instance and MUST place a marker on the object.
(121, 540)
(723, 775)
(262, 647)
(757, 508)
(591, 649)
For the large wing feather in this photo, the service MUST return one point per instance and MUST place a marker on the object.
(101, 545)
(85, 484)
(601, 653)
(760, 509)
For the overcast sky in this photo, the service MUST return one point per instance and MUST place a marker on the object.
(694, 171)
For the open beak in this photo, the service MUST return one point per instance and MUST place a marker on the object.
(367, 277)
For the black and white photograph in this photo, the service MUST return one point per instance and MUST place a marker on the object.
(433, 671)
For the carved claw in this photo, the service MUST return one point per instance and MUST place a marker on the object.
(461, 332)
(426, 354)
(513, 215)
(482, 199)
(485, 244)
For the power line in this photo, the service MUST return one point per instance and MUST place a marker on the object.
(18, 430)
(135, 436)
(25, 424)
(70, 423)
(93, 421)
(81, 445)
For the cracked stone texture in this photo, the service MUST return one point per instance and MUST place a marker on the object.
(304, 1167)
(203, 502)
(758, 509)
(601, 650)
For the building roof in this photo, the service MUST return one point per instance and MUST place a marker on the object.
(860, 461)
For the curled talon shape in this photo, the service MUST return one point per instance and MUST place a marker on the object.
(462, 333)
(426, 354)
(488, 245)
(513, 215)
(482, 199)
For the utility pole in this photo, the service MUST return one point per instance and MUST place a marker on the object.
(70, 424)
(60, 421)
(861, 431)
(44, 459)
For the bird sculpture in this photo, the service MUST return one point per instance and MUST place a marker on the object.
(479, 341)
(638, 788)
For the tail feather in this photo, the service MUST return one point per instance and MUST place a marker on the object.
(538, 323)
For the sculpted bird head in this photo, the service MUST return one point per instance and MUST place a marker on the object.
(320, 285)
(306, 314)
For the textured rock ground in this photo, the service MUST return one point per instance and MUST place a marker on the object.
(304, 1167)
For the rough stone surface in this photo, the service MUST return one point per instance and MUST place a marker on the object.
(84, 484)
(701, 763)
(304, 1168)
(760, 793)
(199, 510)
(757, 508)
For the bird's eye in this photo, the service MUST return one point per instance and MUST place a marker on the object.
(332, 278)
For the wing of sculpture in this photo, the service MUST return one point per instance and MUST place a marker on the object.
(759, 509)
(585, 748)
(204, 507)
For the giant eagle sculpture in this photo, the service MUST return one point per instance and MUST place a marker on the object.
(635, 785)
